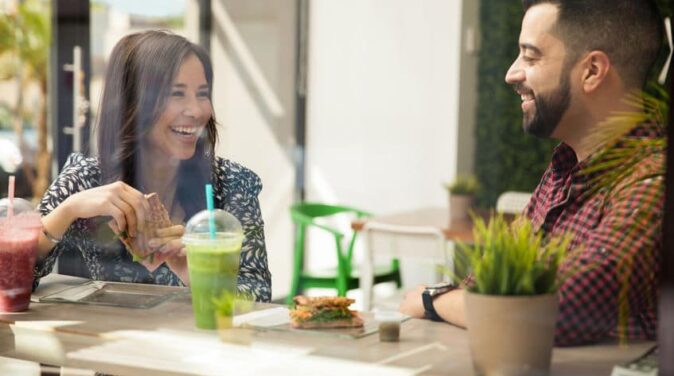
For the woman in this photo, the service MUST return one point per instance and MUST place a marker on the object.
(156, 133)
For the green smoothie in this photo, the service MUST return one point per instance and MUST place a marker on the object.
(213, 266)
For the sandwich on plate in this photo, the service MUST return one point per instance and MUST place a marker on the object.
(324, 312)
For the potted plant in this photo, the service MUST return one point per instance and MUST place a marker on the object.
(511, 302)
(224, 309)
(229, 304)
(461, 193)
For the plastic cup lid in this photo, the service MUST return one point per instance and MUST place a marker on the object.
(25, 214)
(225, 224)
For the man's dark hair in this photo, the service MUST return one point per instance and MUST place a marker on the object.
(630, 32)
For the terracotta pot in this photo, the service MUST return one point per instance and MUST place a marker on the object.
(511, 335)
(459, 206)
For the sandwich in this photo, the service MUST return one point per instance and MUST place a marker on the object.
(324, 312)
(157, 218)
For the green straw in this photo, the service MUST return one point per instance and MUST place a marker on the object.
(209, 206)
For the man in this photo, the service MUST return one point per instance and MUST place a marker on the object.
(578, 62)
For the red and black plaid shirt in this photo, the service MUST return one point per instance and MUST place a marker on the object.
(619, 234)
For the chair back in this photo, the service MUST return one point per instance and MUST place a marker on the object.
(405, 241)
(306, 212)
(512, 202)
(397, 241)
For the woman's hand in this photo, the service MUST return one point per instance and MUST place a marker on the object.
(169, 247)
(126, 205)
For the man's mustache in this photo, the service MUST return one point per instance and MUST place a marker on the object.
(520, 88)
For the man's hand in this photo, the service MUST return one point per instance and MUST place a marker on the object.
(412, 305)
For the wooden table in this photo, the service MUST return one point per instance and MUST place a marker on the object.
(55, 333)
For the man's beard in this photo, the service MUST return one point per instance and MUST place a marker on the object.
(549, 109)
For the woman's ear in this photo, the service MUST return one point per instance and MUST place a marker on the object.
(595, 67)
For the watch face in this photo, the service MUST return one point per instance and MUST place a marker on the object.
(439, 288)
(440, 285)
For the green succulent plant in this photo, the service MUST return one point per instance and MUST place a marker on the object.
(463, 185)
(227, 301)
(617, 162)
(512, 260)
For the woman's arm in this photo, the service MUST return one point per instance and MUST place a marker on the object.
(126, 206)
(55, 224)
(72, 195)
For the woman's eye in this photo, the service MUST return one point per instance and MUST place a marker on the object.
(177, 94)
(203, 94)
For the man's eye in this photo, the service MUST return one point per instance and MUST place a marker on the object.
(528, 59)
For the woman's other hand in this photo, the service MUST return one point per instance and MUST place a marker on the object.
(168, 245)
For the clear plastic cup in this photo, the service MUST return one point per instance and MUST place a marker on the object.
(212, 262)
(19, 237)
(389, 325)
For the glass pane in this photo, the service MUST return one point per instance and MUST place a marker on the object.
(113, 19)
(24, 55)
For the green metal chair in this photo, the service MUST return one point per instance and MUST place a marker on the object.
(345, 276)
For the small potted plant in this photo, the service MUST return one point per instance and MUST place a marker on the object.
(229, 304)
(461, 193)
(224, 309)
(511, 301)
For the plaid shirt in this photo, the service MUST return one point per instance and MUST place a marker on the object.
(619, 234)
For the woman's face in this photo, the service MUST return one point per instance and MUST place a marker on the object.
(187, 110)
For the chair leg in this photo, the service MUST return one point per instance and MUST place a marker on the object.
(341, 287)
(395, 265)
(298, 264)
(294, 290)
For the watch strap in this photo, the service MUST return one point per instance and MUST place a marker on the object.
(429, 310)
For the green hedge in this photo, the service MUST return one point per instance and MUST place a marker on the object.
(506, 157)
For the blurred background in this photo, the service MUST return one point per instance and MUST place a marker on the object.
(374, 104)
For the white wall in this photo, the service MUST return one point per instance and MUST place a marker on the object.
(246, 137)
(383, 109)
(382, 116)
(383, 98)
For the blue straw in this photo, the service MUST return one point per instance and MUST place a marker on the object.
(209, 206)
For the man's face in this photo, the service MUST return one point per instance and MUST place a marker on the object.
(539, 74)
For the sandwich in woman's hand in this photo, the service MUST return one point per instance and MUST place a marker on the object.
(157, 218)
(324, 312)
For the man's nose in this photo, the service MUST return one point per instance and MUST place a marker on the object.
(515, 74)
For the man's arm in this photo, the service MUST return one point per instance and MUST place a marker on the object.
(449, 306)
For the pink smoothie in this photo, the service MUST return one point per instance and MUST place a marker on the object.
(18, 246)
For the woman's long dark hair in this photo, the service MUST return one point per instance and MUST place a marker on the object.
(138, 81)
